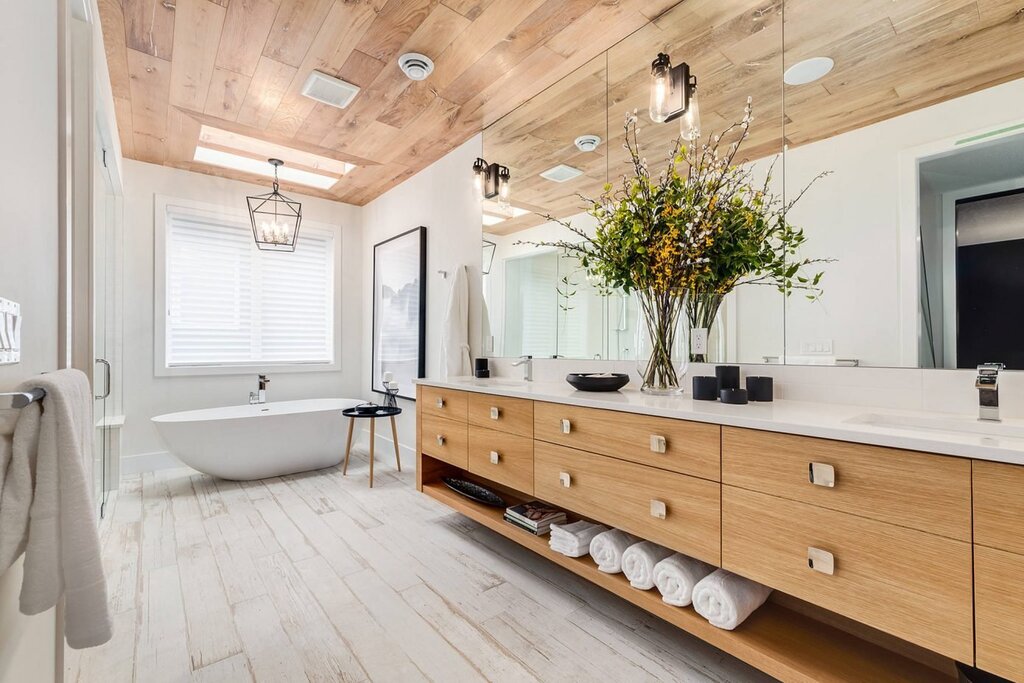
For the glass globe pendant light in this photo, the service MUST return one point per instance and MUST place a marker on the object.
(275, 218)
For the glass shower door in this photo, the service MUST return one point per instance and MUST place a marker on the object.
(103, 261)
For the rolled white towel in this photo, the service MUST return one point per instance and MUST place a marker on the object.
(638, 563)
(726, 600)
(607, 548)
(574, 539)
(675, 577)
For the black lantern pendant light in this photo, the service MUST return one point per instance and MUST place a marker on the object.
(674, 96)
(275, 218)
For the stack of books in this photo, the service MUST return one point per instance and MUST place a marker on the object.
(535, 517)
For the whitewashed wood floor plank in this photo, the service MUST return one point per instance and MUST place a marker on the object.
(325, 655)
(158, 543)
(238, 572)
(434, 655)
(268, 648)
(395, 570)
(211, 629)
(287, 535)
(114, 661)
(381, 656)
(207, 496)
(325, 541)
(234, 669)
(161, 653)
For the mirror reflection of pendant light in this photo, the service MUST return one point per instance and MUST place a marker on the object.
(674, 96)
(275, 218)
(489, 248)
(492, 180)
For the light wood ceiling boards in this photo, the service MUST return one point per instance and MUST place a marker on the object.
(891, 57)
(239, 65)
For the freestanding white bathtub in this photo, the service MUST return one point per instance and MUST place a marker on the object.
(259, 441)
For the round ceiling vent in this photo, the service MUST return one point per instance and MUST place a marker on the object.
(808, 71)
(587, 143)
(415, 66)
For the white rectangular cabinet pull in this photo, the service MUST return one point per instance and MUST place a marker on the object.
(440, 403)
(495, 412)
(821, 561)
(495, 458)
(658, 444)
(566, 426)
(658, 509)
(821, 474)
(564, 479)
(440, 440)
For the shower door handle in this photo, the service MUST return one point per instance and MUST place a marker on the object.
(106, 378)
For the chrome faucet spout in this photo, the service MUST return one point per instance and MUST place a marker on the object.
(527, 363)
(987, 384)
(261, 395)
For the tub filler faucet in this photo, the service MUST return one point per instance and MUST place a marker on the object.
(260, 397)
(987, 384)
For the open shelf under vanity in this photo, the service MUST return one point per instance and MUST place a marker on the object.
(781, 641)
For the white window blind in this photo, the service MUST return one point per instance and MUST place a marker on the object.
(228, 303)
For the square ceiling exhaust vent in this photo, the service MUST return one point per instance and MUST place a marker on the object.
(561, 173)
(329, 90)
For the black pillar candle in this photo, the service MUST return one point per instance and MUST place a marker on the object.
(705, 388)
(734, 396)
(728, 377)
(760, 388)
(483, 369)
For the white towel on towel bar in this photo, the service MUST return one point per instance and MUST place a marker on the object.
(574, 539)
(726, 600)
(19, 440)
(675, 577)
(62, 555)
(607, 549)
(638, 563)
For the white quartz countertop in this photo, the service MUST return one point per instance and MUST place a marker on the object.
(958, 435)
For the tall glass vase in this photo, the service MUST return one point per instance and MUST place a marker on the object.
(701, 314)
(662, 347)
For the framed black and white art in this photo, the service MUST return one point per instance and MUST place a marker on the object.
(399, 311)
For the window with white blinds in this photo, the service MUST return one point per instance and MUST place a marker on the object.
(230, 304)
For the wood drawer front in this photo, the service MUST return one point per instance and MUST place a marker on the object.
(999, 506)
(690, 447)
(446, 440)
(926, 492)
(999, 605)
(621, 494)
(914, 585)
(444, 403)
(513, 455)
(513, 415)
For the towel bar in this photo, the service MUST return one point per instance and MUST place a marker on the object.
(19, 399)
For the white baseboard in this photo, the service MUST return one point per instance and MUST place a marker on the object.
(406, 451)
(149, 462)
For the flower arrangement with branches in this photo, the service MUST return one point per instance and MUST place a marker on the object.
(685, 238)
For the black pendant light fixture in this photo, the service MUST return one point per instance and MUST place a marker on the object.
(275, 218)
(674, 96)
(492, 180)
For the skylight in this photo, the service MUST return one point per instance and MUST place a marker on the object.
(237, 162)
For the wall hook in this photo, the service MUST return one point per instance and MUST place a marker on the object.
(443, 274)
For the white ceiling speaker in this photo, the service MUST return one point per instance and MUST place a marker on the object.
(329, 90)
(415, 66)
(561, 173)
(808, 71)
(587, 143)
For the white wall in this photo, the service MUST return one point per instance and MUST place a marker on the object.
(28, 268)
(441, 198)
(146, 395)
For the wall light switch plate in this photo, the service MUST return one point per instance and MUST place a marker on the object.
(10, 332)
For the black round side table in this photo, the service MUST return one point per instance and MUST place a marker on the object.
(383, 411)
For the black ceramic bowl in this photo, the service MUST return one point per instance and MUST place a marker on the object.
(366, 408)
(597, 381)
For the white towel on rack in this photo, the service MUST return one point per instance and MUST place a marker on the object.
(19, 441)
(607, 549)
(62, 556)
(726, 600)
(574, 539)
(675, 577)
(638, 563)
(455, 360)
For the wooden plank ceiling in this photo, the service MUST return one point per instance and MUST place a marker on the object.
(239, 65)
(891, 57)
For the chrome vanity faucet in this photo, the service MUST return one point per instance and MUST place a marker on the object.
(987, 384)
(259, 397)
(527, 363)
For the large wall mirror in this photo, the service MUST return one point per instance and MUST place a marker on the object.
(895, 135)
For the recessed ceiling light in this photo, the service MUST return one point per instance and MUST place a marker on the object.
(561, 173)
(415, 66)
(329, 90)
(808, 71)
(216, 157)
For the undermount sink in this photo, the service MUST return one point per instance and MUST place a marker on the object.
(948, 424)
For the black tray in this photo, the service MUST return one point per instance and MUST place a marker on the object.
(474, 491)
(586, 381)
